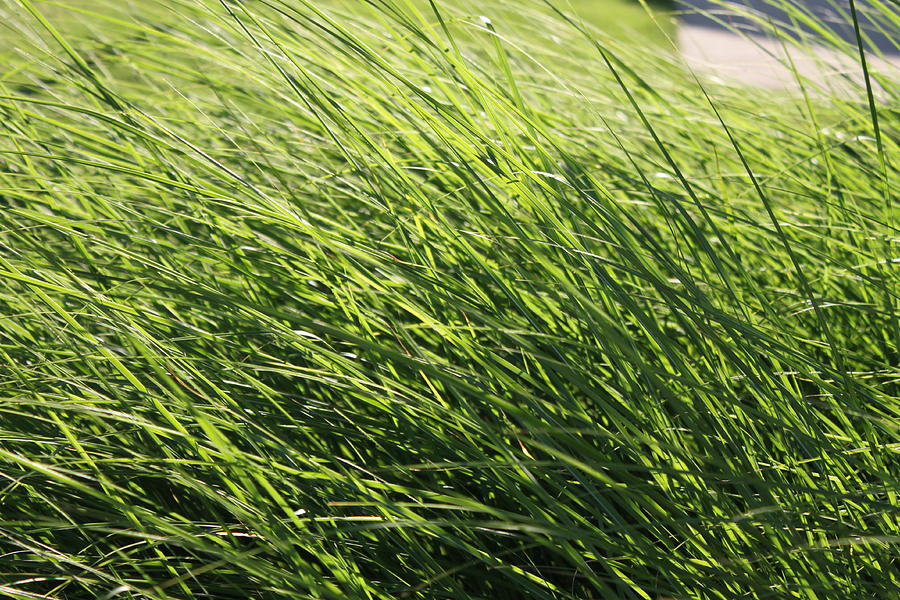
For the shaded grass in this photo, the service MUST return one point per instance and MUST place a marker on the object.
(383, 302)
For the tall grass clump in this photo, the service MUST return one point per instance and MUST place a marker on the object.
(397, 299)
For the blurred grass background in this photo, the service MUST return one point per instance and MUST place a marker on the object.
(623, 18)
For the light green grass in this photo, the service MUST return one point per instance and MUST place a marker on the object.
(626, 18)
(374, 303)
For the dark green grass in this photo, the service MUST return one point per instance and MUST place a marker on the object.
(378, 302)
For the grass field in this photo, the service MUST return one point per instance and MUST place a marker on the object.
(385, 300)
(625, 18)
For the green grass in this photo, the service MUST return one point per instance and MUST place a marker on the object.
(626, 17)
(367, 302)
